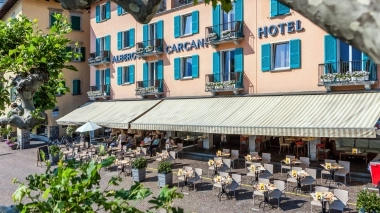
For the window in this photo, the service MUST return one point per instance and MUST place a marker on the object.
(278, 9)
(125, 38)
(102, 44)
(152, 72)
(281, 57)
(228, 64)
(76, 51)
(152, 34)
(76, 87)
(162, 6)
(186, 67)
(76, 22)
(103, 12)
(186, 24)
(228, 18)
(121, 11)
(125, 74)
(52, 16)
(102, 80)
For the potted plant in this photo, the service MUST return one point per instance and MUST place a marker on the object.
(138, 169)
(212, 36)
(6, 132)
(70, 131)
(165, 175)
(149, 48)
(54, 153)
(327, 78)
(12, 143)
(226, 34)
(368, 202)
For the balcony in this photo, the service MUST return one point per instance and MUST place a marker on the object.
(150, 48)
(100, 91)
(99, 58)
(225, 33)
(347, 73)
(224, 82)
(149, 87)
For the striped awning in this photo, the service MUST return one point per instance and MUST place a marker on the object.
(112, 114)
(326, 115)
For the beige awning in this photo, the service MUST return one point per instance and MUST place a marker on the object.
(112, 114)
(327, 115)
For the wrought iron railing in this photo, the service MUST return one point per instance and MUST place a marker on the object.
(347, 71)
(99, 57)
(149, 86)
(224, 81)
(224, 31)
(150, 46)
(101, 89)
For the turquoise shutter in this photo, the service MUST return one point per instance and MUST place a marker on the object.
(160, 69)
(160, 29)
(369, 66)
(108, 10)
(132, 37)
(131, 70)
(216, 66)
(239, 65)
(108, 43)
(295, 53)
(119, 10)
(216, 20)
(145, 74)
(97, 46)
(177, 26)
(195, 24)
(330, 54)
(239, 15)
(119, 75)
(108, 76)
(97, 79)
(273, 8)
(97, 13)
(83, 52)
(119, 40)
(145, 35)
(75, 23)
(283, 9)
(195, 66)
(265, 57)
(177, 68)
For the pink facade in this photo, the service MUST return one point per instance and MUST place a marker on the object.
(296, 68)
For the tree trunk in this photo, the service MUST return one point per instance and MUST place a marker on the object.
(353, 21)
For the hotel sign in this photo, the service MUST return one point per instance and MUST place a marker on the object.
(273, 30)
(180, 47)
(125, 57)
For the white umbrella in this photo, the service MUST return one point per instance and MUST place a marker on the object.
(89, 126)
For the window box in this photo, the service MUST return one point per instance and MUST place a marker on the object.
(98, 58)
(226, 34)
(139, 50)
(149, 49)
(91, 60)
(327, 78)
(212, 36)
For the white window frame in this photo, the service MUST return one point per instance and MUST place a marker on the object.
(76, 50)
(222, 65)
(272, 59)
(123, 11)
(229, 26)
(124, 73)
(152, 40)
(102, 44)
(102, 77)
(182, 67)
(78, 14)
(123, 39)
(183, 27)
(102, 14)
(150, 77)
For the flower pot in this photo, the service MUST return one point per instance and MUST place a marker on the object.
(366, 78)
(13, 147)
(359, 78)
(165, 179)
(53, 158)
(326, 80)
(138, 175)
(353, 78)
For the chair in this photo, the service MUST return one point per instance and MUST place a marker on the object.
(316, 202)
(321, 152)
(343, 172)
(139, 46)
(299, 148)
(309, 180)
(258, 192)
(212, 168)
(324, 171)
(268, 172)
(265, 158)
(179, 149)
(158, 44)
(236, 181)
(284, 166)
(305, 162)
(283, 145)
(226, 165)
(226, 151)
(182, 178)
(172, 156)
(196, 178)
(236, 29)
(292, 179)
(144, 151)
(250, 162)
(234, 156)
(252, 175)
(342, 201)
(278, 192)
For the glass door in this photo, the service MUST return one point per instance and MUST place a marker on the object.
(228, 19)
(228, 64)
(152, 73)
(152, 34)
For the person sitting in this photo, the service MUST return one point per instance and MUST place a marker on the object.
(154, 145)
(122, 139)
(169, 143)
(147, 140)
(129, 142)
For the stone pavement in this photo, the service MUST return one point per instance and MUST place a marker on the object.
(20, 163)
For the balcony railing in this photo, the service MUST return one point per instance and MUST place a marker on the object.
(226, 32)
(99, 91)
(100, 57)
(149, 87)
(150, 47)
(224, 82)
(345, 73)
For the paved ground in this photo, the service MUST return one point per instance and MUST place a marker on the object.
(20, 163)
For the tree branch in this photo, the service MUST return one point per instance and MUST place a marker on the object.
(353, 21)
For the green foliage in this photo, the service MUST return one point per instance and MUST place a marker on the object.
(14, 139)
(6, 130)
(226, 5)
(25, 47)
(102, 150)
(139, 163)
(54, 150)
(368, 201)
(165, 200)
(164, 167)
(70, 130)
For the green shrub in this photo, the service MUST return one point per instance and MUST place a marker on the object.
(139, 163)
(368, 201)
(164, 167)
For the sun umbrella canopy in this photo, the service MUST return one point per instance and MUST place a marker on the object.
(89, 126)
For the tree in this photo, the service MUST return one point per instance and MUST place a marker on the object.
(32, 63)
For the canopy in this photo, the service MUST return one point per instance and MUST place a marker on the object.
(112, 114)
(89, 126)
(326, 115)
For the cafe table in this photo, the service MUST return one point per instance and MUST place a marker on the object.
(332, 169)
(216, 164)
(186, 174)
(267, 188)
(299, 175)
(324, 198)
(257, 170)
(222, 182)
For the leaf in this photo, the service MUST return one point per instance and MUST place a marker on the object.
(20, 193)
(11, 52)
(43, 60)
(108, 162)
(46, 193)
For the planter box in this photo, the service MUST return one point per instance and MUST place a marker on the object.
(138, 175)
(165, 179)
(53, 158)
(13, 147)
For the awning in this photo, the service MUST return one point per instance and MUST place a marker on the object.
(112, 114)
(327, 115)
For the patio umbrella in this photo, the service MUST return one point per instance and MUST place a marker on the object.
(89, 126)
